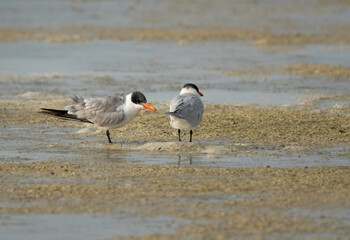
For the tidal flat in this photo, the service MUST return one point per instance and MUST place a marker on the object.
(270, 160)
(294, 182)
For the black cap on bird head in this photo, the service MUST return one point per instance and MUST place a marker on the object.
(191, 85)
(138, 97)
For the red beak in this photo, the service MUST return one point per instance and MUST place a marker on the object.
(200, 94)
(149, 106)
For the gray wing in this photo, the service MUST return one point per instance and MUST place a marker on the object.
(187, 106)
(104, 111)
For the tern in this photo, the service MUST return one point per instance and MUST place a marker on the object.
(186, 109)
(108, 112)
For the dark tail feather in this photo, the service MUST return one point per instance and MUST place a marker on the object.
(63, 114)
(173, 114)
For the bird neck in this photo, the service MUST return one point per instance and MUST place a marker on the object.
(131, 109)
(188, 90)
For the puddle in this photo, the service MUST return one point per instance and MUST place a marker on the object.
(26, 143)
(239, 160)
(83, 226)
(21, 180)
(320, 214)
(327, 217)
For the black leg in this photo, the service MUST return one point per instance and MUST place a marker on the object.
(191, 135)
(109, 138)
(179, 131)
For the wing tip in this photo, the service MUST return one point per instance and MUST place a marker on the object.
(62, 114)
(174, 114)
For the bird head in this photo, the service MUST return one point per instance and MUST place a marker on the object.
(191, 88)
(139, 99)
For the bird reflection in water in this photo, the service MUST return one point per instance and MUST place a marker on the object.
(186, 159)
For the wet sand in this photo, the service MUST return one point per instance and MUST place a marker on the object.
(213, 202)
(217, 203)
(58, 177)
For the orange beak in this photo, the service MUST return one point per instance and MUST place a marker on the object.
(149, 106)
(200, 94)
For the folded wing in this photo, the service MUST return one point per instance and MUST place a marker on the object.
(188, 107)
(104, 111)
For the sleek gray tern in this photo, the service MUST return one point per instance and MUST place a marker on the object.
(108, 112)
(186, 109)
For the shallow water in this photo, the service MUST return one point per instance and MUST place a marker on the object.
(27, 143)
(83, 226)
(311, 17)
(325, 157)
(159, 69)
